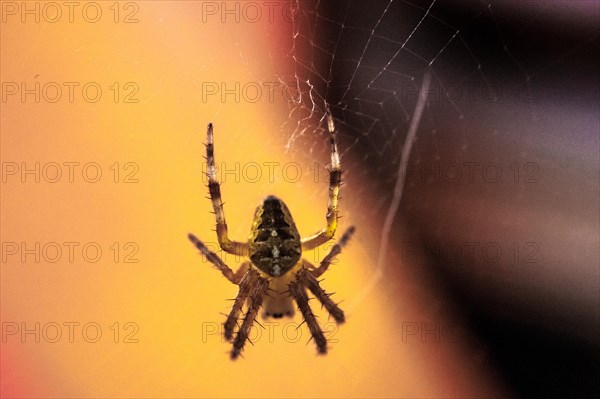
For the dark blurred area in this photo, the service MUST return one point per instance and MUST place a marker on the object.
(503, 182)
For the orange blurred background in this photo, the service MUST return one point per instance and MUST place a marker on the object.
(165, 298)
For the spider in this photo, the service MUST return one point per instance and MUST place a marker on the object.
(276, 273)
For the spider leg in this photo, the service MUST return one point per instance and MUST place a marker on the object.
(335, 181)
(241, 271)
(307, 278)
(258, 287)
(245, 284)
(213, 258)
(333, 252)
(298, 291)
(214, 189)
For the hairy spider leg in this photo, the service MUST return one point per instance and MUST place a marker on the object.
(213, 258)
(255, 298)
(306, 278)
(214, 189)
(298, 292)
(335, 181)
(333, 252)
(246, 284)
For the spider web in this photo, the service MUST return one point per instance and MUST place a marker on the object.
(367, 61)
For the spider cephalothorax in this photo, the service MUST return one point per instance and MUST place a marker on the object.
(276, 273)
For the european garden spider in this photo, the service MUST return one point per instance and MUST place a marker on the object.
(276, 273)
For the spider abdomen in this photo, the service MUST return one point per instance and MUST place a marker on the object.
(274, 240)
